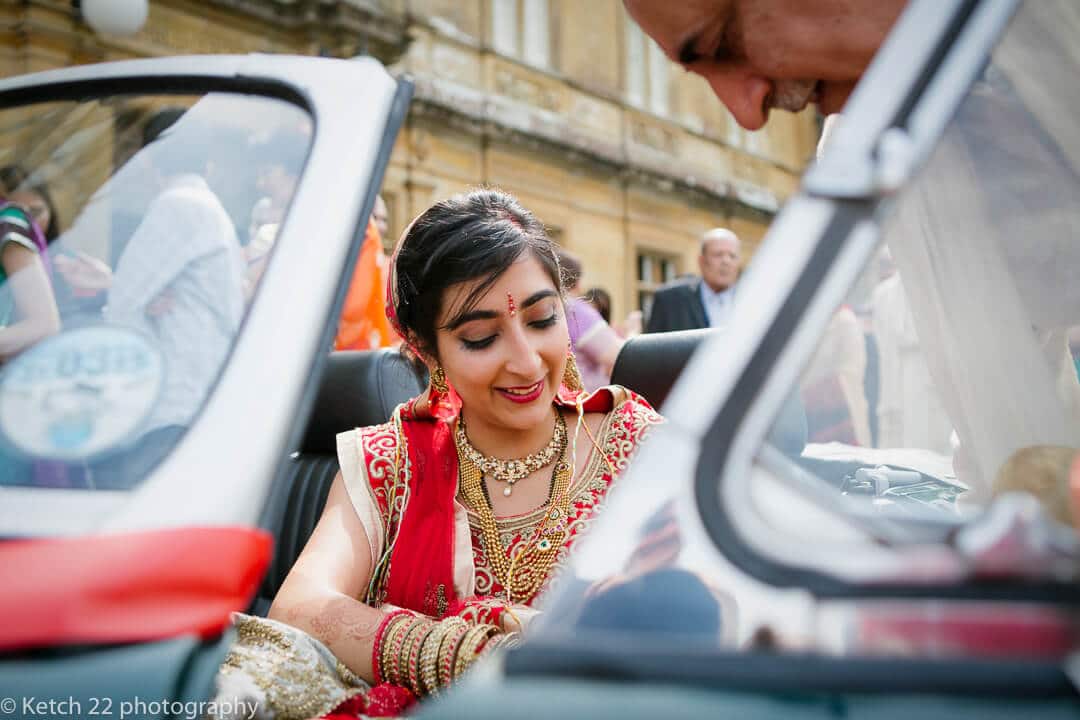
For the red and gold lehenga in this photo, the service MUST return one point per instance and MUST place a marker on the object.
(430, 553)
(428, 547)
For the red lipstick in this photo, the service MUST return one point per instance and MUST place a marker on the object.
(523, 393)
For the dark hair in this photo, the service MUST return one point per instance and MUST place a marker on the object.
(11, 177)
(14, 178)
(571, 268)
(601, 300)
(52, 231)
(479, 234)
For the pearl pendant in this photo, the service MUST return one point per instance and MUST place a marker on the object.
(507, 490)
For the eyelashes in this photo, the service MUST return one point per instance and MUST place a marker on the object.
(545, 323)
(482, 343)
(477, 344)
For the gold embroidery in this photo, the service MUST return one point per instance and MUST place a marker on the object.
(296, 681)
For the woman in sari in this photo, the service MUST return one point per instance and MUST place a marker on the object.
(28, 311)
(445, 524)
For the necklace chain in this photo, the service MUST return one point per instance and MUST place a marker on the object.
(514, 469)
(523, 574)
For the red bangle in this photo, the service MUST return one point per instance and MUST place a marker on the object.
(376, 650)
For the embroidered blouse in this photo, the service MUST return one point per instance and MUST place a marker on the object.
(374, 475)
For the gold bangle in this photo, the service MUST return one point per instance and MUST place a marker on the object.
(400, 660)
(472, 641)
(448, 651)
(500, 641)
(429, 657)
(393, 648)
(389, 634)
(417, 645)
(410, 655)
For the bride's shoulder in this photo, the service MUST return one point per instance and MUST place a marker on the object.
(633, 409)
(617, 410)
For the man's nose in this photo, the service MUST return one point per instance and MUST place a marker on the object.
(743, 92)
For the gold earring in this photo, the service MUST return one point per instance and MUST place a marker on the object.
(438, 380)
(571, 375)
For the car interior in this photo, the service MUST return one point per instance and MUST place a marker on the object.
(360, 388)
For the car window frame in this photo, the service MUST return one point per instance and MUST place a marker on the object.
(895, 119)
(214, 446)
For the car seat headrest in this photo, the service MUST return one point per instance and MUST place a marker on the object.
(650, 364)
(358, 388)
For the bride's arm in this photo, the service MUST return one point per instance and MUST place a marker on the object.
(318, 595)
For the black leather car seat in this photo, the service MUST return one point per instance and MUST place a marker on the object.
(650, 364)
(358, 388)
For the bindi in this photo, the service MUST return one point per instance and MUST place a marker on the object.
(511, 307)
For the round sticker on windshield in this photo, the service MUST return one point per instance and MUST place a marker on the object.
(80, 394)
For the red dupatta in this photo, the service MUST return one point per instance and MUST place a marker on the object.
(421, 574)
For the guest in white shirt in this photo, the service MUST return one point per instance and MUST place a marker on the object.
(180, 280)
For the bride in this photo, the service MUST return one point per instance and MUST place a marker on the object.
(445, 523)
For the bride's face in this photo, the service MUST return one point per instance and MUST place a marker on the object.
(506, 356)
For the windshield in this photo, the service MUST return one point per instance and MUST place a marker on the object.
(947, 380)
(135, 232)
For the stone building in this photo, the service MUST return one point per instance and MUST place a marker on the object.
(564, 103)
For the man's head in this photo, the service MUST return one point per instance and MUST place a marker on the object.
(721, 253)
(761, 54)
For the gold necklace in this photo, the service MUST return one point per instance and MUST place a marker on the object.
(524, 573)
(510, 471)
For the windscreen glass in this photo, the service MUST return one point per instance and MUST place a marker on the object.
(949, 378)
(946, 382)
(134, 231)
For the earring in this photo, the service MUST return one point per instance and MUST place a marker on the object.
(571, 375)
(443, 401)
(438, 380)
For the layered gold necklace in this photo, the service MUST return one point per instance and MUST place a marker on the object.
(523, 573)
(510, 471)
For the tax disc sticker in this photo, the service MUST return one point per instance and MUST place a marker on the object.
(80, 394)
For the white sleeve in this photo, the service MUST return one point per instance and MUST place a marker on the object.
(358, 486)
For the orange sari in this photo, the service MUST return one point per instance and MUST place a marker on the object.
(363, 324)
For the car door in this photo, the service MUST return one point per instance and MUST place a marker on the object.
(210, 211)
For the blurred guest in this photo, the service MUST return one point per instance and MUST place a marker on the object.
(363, 324)
(1047, 472)
(28, 311)
(600, 299)
(832, 387)
(34, 197)
(279, 159)
(180, 279)
(705, 302)
(910, 413)
(594, 343)
(381, 216)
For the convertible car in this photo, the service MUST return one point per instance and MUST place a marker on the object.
(782, 546)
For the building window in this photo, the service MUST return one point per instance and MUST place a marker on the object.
(647, 71)
(522, 29)
(653, 270)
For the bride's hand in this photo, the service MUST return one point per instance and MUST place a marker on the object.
(517, 618)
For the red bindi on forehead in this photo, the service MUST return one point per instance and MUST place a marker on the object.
(511, 306)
